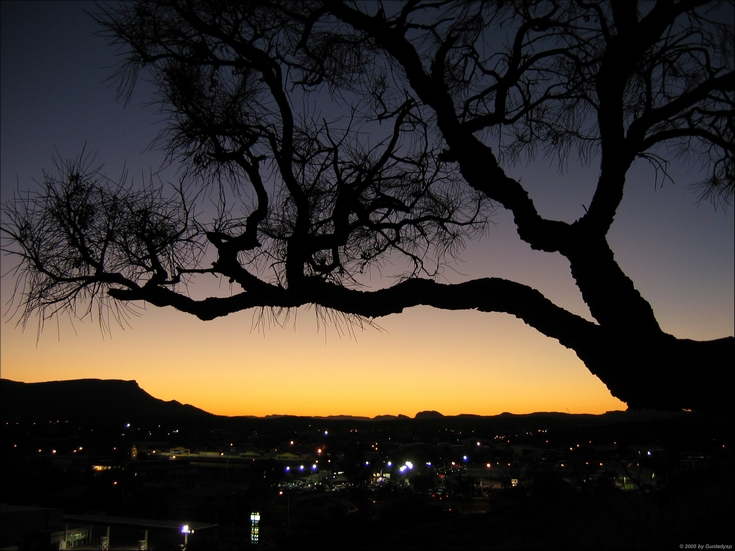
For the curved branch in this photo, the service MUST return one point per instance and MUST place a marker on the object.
(485, 295)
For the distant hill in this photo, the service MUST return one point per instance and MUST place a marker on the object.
(399, 417)
(87, 398)
(429, 415)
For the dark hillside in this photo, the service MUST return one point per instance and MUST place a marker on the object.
(86, 398)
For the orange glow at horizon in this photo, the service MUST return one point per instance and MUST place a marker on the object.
(451, 362)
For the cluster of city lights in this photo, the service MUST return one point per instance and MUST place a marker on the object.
(408, 466)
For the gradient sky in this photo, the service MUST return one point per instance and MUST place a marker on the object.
(54, 97)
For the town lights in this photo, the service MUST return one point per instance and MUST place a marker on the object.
(254, 527)
(408, 466)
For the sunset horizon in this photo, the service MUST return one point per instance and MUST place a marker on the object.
(428, 411)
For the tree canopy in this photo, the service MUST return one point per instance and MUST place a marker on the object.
(341, 137)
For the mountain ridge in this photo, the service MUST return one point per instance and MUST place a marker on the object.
(120, 398)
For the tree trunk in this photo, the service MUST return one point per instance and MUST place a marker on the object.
(664, 372)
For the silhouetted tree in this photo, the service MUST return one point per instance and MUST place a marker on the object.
(339, 135)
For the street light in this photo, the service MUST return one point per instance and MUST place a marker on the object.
(186, 531)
